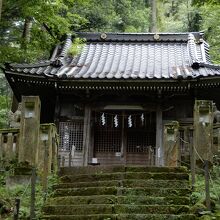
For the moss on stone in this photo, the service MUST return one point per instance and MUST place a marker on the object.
(181, 169)
(119, 193)
(23, 170)
(151, 209)
(78, 209)
(86, 191)
(75, 200)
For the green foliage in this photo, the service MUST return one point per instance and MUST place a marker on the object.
(211, 25)
(5, 100)
(172, 16)
(115, 16)
(8, 196)
(50, 21)
(76, 46)
(202, 2)
(198, 195)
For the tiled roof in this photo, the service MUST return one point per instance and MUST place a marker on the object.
(128, 56)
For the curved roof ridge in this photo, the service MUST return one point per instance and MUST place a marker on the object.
(148, 56)
(138, 37)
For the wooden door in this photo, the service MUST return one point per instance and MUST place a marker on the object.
(131, 142)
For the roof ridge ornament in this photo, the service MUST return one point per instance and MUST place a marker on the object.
(103, 36)
(193, 56)
(60, 60)
(156, 36)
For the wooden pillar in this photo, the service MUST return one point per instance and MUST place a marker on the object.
(123, 140)
(57, 110)
(29, 130)
(159, 135)
(91, 146)
(86, 134)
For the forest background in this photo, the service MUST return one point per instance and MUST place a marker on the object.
(29, 29)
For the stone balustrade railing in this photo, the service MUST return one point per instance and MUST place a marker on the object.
(47, 147)
(9, 146)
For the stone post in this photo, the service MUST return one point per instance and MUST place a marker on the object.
(47, 154)
(171, 144)
(10, 150)
(203, 130)
(29, 130)
(216, 138)
(1, 149)
(8, 145)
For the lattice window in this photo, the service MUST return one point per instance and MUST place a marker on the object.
(71, 134)
(139, 141)
(107, 139)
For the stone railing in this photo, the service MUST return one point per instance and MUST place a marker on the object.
(9, 146)
(46, 148)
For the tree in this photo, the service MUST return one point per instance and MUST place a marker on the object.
(153, 22)
(114, 16)
(27, 23)
(0, 9)
(211, 26)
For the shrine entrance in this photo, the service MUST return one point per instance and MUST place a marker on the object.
(125, 137)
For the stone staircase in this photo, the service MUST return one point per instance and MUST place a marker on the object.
(120, 193)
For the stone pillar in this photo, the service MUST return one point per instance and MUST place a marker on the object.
(203, 130)
(47, 154)
(29, 130)
(171, 144)
(10, 151)
(216, 138)
(1, 149)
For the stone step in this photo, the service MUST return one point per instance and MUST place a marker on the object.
(122, 176)
(135, 191)
(110, 199)
(113, 169)
(120, 193)
(121, 217)
(127, 183)
(114, 209)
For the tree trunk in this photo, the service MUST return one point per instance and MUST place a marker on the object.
(27, 30)
(0, 9)
(153, 17)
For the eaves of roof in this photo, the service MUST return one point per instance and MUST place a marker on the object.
(119, 57)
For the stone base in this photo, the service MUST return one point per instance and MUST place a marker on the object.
(12, 181)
